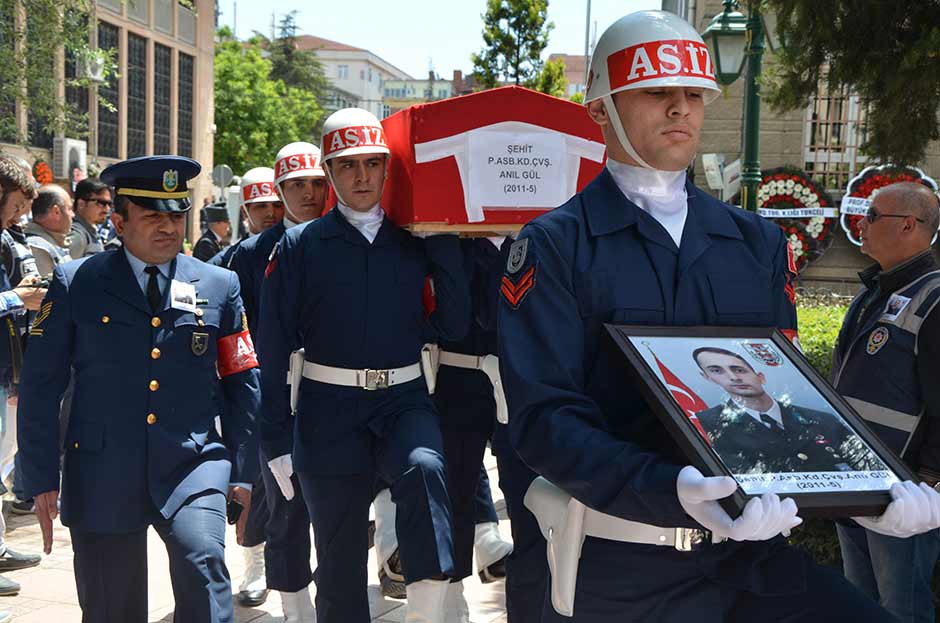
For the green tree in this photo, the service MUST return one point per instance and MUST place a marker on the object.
(515, 32)
(32, 34)
(552, 79)
(885, 51)
(296, 67)
(256, 114)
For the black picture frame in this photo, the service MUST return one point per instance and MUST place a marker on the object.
(700, 452)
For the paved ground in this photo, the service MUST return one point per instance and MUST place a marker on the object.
(48, 591)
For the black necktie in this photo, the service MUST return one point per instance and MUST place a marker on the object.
(153, 288)
(771, 423)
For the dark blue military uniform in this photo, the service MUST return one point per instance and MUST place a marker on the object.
(574, 419)
(150, 454)
(287, 530)
(467, 407)
(356, 305)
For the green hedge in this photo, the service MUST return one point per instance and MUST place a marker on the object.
(819, 327)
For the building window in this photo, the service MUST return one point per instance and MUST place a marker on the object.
(184, 142)
(161, 99)
(370, 74)
(7, 97)
(108, 97)
(136, 96)
(386, 110)
(138, 10)
(186, 24)
(834, 130)
(163, 15)
(76, 97)
(362, 74)
(342, 72)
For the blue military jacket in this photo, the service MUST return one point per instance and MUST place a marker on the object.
(354, 305)
(250, 261)
(149, 442)
(574, 419)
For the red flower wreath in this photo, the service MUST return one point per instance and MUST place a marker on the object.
(866, 185)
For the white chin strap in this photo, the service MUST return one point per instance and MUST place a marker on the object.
(329, 178)
(614, 117)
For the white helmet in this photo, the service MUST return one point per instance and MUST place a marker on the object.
(352, 131)
(297, 160)
(648, 49)
(257, 186)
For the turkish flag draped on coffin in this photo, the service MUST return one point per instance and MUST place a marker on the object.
(501, 156)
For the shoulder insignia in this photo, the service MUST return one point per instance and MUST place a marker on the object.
(44, 313)
(517, 253)
(515, 291)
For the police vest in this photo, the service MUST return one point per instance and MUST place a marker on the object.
(877, 372)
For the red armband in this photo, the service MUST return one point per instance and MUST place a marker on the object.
(236, 354)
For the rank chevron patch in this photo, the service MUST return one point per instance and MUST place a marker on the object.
(514, 292)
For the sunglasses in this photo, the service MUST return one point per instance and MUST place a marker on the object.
(873, 216)
(104, 203)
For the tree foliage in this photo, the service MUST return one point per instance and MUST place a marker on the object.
(32, 35)
(255, 113)
(552, 79)
(515, 32)
(885, 51)
(297, 68)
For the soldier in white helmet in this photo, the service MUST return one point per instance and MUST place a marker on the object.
(347, 288)
(642, 245)
(299, 183)
(260, 205)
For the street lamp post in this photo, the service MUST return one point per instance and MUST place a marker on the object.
(734, 39)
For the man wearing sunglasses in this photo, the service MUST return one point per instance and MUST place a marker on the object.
(886, 364)
(92, 206)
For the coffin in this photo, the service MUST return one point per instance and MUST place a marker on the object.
(488, 162)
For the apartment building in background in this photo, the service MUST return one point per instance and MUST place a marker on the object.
(357, 75)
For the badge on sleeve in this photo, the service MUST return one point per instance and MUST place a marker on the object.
(183, 296)
(517, 283)
(876, 340)
(200, 343)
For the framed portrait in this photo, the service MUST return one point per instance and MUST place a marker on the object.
(744, 402)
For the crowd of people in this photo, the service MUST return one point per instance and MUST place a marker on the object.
(332, 370)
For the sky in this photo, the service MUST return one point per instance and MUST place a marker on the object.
(414, 35)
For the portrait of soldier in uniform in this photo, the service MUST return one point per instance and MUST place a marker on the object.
(755, 432)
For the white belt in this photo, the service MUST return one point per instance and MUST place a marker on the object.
(366, 378)
(564, 522)
(489, 365)
(604, 526)
(459, 360)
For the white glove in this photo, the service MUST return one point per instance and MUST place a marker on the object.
(914, 509)
(283, 468)
(762, 519)
(491, 370)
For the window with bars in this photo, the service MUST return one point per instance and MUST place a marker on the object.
(161, 99)
(834, 130)
(41, 63)
(136, 96)
(108, 95)
(7, 91)
(184, 141)
(76, 97)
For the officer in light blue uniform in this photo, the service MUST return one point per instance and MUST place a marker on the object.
(464, 396)
(303, 191)
(347, 288)
(642, 245)
(172, 331)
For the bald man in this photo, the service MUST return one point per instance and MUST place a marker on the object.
(48, 232)
(887, 365)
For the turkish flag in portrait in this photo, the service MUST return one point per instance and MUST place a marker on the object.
(683, 395)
